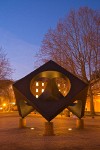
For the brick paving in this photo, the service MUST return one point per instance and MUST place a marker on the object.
(13, 138)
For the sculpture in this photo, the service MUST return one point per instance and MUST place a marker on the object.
(59, 90)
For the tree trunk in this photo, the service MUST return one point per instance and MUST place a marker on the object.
(91, 103)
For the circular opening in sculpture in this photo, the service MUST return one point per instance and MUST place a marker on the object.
(40, 81)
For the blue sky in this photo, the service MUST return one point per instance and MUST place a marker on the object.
(23, 24)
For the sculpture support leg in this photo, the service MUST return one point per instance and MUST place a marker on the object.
(79, 123)
(49, 131)
(22, 122)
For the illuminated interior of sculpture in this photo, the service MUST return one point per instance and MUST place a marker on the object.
(39, 83)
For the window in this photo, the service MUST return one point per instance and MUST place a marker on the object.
(37, 84)
(36, 96)
(36, 90)
(42, 90)
(42, 84)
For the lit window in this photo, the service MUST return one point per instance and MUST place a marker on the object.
(42, 84)
(37, 84)
(37, 96)
(36, 90)
(42, 90)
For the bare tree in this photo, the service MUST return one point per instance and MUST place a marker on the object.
(5, 74)
(75, 45)
(5, 68)
(6, 93)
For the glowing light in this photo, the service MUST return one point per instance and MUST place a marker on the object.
(4, 104)
(1, 108)
(36, 90)
(32, 128)
(42, 90)
(69, 129)
(13, 103)
(58, 85)
(98, 94)
(98, 100)
(37, 84)
(76, 102)
(42, 84)
(37, 96)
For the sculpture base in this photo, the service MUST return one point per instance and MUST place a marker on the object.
(22, 123)
(49, 131)
(80, 124)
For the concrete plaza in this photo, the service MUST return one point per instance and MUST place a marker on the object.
(31, 138)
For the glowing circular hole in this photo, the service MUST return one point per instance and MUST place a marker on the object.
(39, 83)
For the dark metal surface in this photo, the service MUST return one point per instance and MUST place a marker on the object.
(51, 102)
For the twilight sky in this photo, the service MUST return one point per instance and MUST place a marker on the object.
(23, 24)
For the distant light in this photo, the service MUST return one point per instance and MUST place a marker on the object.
(98, 100)
(37, 96)
(69, 129)
(37, 84)
(1, 108)
(98, 94)
(36, 90)
(76, 102)
(42, 90)
(4, 104)
(25, 102)
(13, 103)
(42, 84)
(58, 85)
(32, 128)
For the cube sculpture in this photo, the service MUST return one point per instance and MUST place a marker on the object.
(49, 90)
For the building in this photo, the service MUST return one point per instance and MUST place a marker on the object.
(7, 99)
(96, 97)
